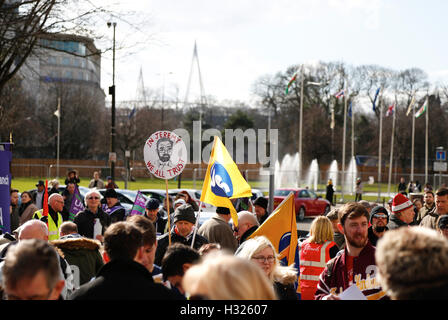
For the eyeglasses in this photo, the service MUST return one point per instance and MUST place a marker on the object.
(93, 198)
(380, 216)
(262, 259)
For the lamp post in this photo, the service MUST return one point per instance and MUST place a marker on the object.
(112, 154)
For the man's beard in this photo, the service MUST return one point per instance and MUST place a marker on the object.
(380, 228)
(165, 157)
(358, 242)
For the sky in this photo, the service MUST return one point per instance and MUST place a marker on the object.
(239, 41)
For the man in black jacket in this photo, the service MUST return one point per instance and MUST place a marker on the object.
(113, 206)
(122, 278)
(93, 221)
(184, 220)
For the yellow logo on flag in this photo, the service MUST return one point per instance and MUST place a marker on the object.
(223, 180)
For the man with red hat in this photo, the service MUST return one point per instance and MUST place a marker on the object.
(402, 212)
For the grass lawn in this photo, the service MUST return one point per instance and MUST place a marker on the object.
(27, 183)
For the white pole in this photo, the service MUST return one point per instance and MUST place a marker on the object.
(392, 147)
(300, 128)
(343, 144)
(380, 105)
(412, 148)
(426, 138)
(353, 146)
(59, 137)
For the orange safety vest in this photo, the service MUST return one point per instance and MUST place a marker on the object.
(313, 258)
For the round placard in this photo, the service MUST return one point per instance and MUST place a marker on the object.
(165, 154)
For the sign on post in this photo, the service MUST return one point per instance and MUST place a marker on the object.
(441, 155)
(165, 156)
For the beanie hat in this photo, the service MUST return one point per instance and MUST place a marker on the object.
(262, 202)
(110, 193)
(222, 210)
(184, 212)
(181, 201)
(400, 203)
(379, 209)
(442, 221)
(152, 204)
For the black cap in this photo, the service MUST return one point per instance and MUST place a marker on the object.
(222, 210)
(184, 212)
(40, 183)
(379, 209)
(262, 202)
(110, 193)
(152, 204)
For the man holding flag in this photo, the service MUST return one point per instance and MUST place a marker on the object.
(51, 213)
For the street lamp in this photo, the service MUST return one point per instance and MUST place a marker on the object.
(112, 154)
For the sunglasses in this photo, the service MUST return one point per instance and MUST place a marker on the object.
(380, 216)
(93, 198)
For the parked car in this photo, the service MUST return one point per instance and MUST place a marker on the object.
(196, 196)
(158, 194)
(307, 203)
(126, 198)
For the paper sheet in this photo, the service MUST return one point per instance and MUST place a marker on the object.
(352, 293)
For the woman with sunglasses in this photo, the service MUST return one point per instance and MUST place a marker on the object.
(93, 221)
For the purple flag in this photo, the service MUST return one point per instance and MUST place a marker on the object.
(5, 185)
(139, 205)
(76, 205)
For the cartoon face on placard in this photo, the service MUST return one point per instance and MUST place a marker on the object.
(165, 154)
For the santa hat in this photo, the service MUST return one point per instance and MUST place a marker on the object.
(400, 203)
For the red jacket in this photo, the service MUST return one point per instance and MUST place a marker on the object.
(334, 278)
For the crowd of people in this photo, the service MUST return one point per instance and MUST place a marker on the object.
(395, 252)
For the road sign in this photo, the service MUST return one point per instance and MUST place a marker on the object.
(439, 166)
(441, 155)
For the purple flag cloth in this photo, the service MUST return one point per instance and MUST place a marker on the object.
(76, 205)
(139, 205)
(5, 185)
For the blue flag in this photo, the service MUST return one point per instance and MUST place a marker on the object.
(376, 96)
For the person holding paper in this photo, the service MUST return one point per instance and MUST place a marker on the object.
(356, 264)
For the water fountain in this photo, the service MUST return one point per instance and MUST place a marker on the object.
(286, 172)
(313, 175)
(350, 176)
(332, 173)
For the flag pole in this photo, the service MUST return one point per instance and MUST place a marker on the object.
(392, 146)
(412, 147)
(59, 137)
(380, 105)
(168, 212)
(196, 227)
(426, 137)
(300, 128)
(343, 143)
(353, 141)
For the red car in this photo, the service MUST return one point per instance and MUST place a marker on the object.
(308, 204)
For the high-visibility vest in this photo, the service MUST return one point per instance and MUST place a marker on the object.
(53, 228)
(313, 258)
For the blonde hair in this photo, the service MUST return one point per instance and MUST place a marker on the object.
(279, 273)
(226, 277)
(321, 230)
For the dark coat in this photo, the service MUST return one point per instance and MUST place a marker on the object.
(163, 242)
(122, 279)
(85, 221)
(395, 222)
(285, 291)
(247, 234)
(83, 253)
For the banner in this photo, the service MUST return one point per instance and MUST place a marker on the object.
(223, 180)
(77, 204)
(139, 205)
(281, 229)
(5, 186)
